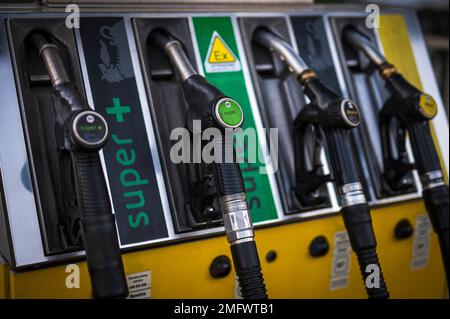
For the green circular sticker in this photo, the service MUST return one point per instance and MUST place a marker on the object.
(229, 113)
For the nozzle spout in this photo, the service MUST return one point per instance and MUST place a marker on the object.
(361, 43)
(287, 53)
(175, 52)
(50, 55)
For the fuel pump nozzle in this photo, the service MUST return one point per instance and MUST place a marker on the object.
(81, 133)
(413, 111)
(214, 109)
(336, 117)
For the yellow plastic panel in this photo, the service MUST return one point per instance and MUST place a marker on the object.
(4, 282)
(396, 256)
(182, 271)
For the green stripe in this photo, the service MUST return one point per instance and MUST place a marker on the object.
(232, 83)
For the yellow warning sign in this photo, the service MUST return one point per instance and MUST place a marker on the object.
(220, 57)
(220, 52)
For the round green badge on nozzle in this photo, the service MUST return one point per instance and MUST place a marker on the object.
(229, 113)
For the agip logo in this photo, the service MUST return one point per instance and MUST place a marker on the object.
(220, 58)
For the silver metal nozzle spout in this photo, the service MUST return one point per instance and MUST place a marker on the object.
(271, 41)
(359, 42)
(175, 52)
(50, 55)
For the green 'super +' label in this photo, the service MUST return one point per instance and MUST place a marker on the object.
(221, 64)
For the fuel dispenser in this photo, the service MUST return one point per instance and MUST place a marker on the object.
(210, 106)
(334, 115)
(192, 195)
(92, 180)
(367, 90)
(72, 137)
(408, 112)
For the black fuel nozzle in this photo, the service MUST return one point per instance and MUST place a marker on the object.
(81, 133)
(335, 116)
(414, 110)
(396, 163)
(407, 100)
(309, 178)
(215, 110)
